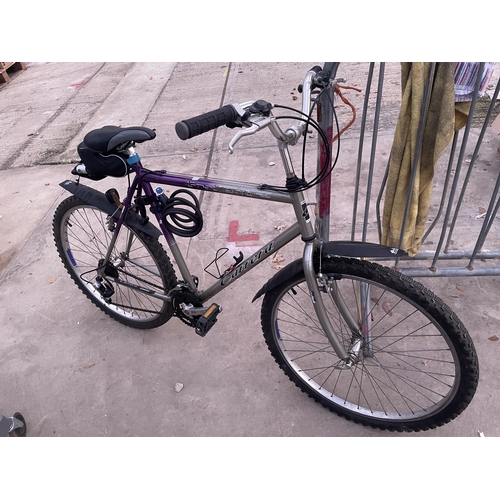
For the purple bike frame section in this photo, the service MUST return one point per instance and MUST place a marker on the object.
(145, 178)
(244, 189)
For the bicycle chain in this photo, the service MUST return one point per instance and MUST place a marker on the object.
(139, 279)
(177, 298)
(177, 310)
(123, 306)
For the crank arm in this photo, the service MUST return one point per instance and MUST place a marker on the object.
(192, 311)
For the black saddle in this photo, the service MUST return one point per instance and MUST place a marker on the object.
(107, 138)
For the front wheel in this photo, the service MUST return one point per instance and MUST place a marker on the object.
(138, 262)
(413, 365)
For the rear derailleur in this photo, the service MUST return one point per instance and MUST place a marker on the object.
(101, 283)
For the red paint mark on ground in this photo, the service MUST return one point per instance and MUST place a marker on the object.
(80, 83)
(234, 236)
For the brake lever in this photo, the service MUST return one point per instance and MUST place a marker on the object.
(258, 123)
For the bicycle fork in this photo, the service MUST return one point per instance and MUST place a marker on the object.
(319, 305)
(310, 239)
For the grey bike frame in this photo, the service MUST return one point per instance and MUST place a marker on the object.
(242, 189)
(304, 227)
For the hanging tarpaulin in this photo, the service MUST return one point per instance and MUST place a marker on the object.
(436, 135)
(428, 94)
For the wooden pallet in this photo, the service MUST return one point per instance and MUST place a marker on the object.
(10, 67)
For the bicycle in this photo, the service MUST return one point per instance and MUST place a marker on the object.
(361, 339)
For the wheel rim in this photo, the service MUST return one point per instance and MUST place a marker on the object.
(412, 372)
(85, 239)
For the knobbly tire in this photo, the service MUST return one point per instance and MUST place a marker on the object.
(82, 234)
(416, 369)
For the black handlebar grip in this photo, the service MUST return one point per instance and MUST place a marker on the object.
(191, 127)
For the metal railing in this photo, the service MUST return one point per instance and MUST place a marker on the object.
(459, 227)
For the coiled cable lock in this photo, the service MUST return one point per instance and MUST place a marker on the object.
(181, 216)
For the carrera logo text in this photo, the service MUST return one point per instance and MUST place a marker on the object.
(249, 263)
(305, 211)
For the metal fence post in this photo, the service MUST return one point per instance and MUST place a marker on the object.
(325, 121)
(325, 115)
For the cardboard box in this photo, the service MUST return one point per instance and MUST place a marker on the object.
(496, 128)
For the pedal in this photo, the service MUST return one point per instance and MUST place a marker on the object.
(207, 320)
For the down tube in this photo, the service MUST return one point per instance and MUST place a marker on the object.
(253, 261)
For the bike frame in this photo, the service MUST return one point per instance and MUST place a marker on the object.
(144, 180)
(304, 227)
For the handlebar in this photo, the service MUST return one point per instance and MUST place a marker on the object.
(200, 124)
(236, 115)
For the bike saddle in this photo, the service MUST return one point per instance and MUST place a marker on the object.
(105, 139)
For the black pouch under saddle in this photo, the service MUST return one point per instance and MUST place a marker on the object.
(100, 165)
(102, 150)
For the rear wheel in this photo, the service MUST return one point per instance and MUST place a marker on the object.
(82, 234)
(415, 368)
